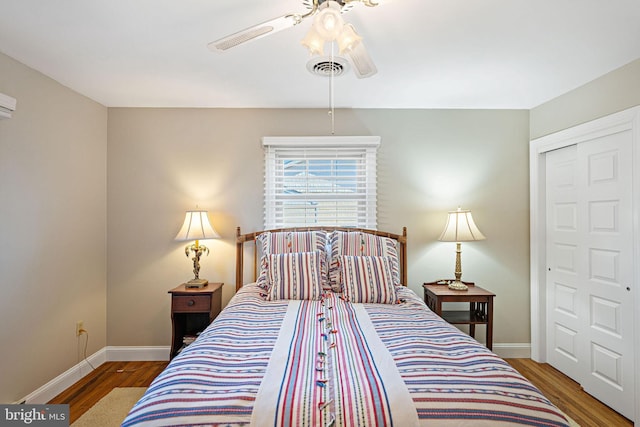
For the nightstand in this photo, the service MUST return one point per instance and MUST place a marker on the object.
(192, 310)
(480, 306)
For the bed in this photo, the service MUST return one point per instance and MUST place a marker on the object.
(328, 334)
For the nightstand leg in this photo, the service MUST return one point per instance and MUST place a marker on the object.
(472, 326)
(490, 324)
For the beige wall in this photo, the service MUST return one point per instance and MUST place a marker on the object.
(52, 222)
(164, 161)
(613, 92)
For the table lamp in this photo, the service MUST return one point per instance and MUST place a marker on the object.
(460, 228)
(196, 227)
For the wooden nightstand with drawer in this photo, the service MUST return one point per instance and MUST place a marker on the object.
(192, 310)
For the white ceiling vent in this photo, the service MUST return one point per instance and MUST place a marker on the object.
(7, 106)
(324, 66)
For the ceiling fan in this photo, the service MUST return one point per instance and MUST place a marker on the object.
(328, 26)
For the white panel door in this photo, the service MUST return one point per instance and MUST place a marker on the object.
(589, 267)
(566, 312)
(605, 185)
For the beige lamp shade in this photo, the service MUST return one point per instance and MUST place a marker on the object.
(197, 227)
(460, 228)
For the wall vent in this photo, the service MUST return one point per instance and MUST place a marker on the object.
(7, 106)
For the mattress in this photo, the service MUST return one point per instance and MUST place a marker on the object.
(332, 362)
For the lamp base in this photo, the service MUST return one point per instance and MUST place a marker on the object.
(196, 283)
(457, 285)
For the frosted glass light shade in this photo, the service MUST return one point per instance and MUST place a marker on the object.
(197, 227)
(313, 42)
(328, 22)
(348, 39)
(460, 228)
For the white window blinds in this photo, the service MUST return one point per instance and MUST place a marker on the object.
(324, 181)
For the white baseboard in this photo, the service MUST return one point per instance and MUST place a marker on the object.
(513, 350)
(106, 354)
(127, 354)
(153, 353)
(66, 379)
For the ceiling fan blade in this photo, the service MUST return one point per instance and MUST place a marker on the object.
(255, 32)
(362, 63)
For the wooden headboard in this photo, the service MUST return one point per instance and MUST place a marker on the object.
(241, 239)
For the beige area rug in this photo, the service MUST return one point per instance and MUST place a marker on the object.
(112, 409)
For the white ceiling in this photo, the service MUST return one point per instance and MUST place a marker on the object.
(429, 53)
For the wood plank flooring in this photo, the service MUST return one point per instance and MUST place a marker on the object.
(568, 396)
(565, 393)
(85, 393)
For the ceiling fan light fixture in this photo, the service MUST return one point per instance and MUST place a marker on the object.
(313, 42)
(327, 27)
(348, 39)
(328, 22)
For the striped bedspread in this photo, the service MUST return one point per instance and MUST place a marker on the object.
(329, 362)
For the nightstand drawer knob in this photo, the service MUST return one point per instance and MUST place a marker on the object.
(191, 302)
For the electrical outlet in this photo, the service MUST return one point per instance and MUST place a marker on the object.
(79, 327)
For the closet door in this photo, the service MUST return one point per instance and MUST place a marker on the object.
(589, 267)
(566, 314)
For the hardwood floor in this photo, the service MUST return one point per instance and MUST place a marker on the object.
(565, 393)
(568, 396)
(85, 393)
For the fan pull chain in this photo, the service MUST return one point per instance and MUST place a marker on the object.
(331, 106)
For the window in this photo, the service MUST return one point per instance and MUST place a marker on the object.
(328, 181)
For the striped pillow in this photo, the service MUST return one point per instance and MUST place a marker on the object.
(357, 243)
(368, 279)
(294, 276)
(284, 242)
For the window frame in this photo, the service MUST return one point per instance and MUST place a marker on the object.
(363, 146)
